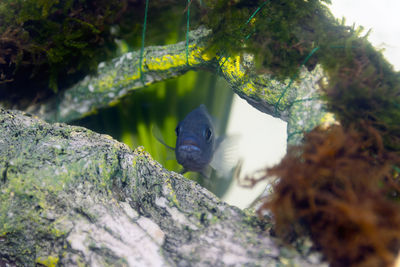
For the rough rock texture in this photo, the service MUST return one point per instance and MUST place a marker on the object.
(73, 197)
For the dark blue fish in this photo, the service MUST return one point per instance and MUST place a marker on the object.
(197, 146)
(195, 142)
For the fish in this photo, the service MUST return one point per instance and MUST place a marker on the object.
(195, 140)
(198, 147)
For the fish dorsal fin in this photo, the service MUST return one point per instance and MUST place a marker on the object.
(226, 155)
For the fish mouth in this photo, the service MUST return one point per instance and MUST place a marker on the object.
(189, 148)
(189, 145)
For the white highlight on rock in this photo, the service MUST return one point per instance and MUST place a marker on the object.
(115, 230)
(152, 229)
(174, 212)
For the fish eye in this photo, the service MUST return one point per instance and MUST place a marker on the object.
(207, 134)
(177, 130)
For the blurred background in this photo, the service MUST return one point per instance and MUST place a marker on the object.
(262, 139)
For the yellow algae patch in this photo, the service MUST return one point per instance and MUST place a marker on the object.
(232, 67)
(166, 62)
(328, 119)
(249, 89)
(206, 55)
(196, 53)
(114, 102)
(134, 76)
(49, 261)
(126, 79)
(106, 82)
(171, 192)
(140, 150)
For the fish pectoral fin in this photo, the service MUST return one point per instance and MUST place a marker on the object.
(158, 135)
(226, 156)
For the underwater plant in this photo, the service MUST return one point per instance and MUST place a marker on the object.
(341, 188)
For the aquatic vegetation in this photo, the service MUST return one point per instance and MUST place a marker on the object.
(341, 186)
(342, 189)
(46, 46)
(284, 35)
(279, 33)
(49, 43)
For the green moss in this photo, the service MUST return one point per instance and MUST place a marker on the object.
(280, 34)
(46, 46)
(55, 39)
(34, 187)
(24, 201)
(284, 35)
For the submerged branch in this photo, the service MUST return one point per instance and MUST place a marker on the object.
(289, 100)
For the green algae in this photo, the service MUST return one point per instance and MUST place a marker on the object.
(39, 166)
(89, 171)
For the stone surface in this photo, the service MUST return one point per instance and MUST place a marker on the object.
(73, 197)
